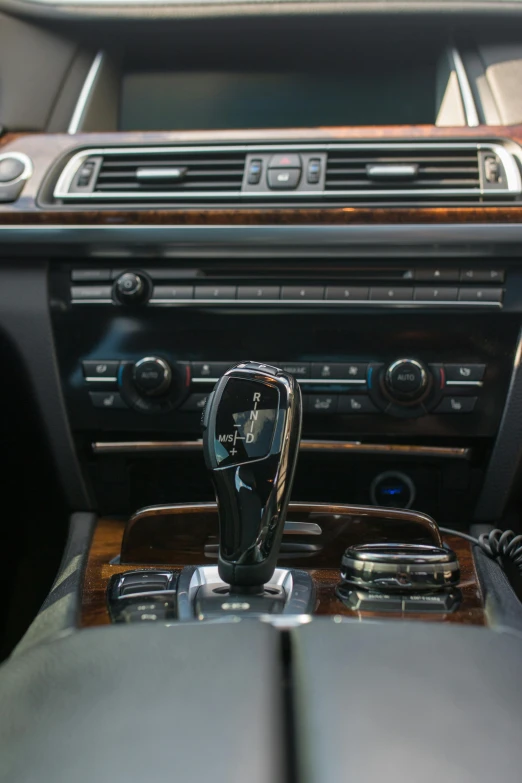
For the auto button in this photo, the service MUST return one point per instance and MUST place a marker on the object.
(406, 380)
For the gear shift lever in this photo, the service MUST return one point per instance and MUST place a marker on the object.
(251, 433)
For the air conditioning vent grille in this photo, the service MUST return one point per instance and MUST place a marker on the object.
(319, 173)
(198, 172)
(433, 170)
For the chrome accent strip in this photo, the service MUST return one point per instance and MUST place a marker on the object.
(106, 379)
(307, 302)
(282, 302)
(382, 171)
(75, 125)
(333, 446)
(470, 110)
(299, 380)
(164, 173)
(311, 239)
(66, 178)
(464, 383)
(302, 528)
(26, 173)
(296, 585)
(92, 301)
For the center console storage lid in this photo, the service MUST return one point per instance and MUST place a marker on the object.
(397, 701)
(145, 703)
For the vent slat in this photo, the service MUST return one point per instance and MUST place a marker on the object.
(204, 172)
(440, 170)
(133, 163)
(435, 170)
(417, 185)
(166, 188)
(358, 161)
(117, 175)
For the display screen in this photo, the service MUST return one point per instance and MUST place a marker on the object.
(196, 100)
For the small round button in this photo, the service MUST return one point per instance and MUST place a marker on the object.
(152, 376)
(11, 169)
(392, 489)
(131, 287)
(406, 379)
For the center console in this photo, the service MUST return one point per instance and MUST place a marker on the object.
(404, 367)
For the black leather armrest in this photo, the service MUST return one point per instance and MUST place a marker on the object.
(145, 704)
(396, 701)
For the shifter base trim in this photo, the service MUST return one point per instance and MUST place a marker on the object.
(297, 587)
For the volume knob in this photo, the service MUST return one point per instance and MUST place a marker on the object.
(407, 380)
(152, 376)
(131, 288)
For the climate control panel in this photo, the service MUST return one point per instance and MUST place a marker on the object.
(405, 388)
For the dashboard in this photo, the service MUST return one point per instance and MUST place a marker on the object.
(249, 189)
(326, 196)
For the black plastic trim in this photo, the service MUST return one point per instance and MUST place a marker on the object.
(507, 452)
(25, 320)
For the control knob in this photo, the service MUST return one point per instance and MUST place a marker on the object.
(407, 381)
(152, 376)
(131, 288)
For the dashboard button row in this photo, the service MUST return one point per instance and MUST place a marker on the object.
(427, 275)
(443, 275)
(314, 372)
(312, 403)
(321, 293)
(163, 294)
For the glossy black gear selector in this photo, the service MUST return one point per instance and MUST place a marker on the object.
(252, 429)
(245, 422)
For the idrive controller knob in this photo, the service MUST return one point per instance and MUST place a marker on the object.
(251, 433)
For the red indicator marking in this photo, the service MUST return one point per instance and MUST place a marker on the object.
(442, 378)
(187, 375)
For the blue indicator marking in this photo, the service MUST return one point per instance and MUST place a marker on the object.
(392, 490)
(120, 374)
(370, 373)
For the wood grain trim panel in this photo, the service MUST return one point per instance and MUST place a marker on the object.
(269, 217)
(46, 149)
(10, 138)
(107, 541)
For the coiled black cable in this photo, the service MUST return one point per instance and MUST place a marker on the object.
(497, 544)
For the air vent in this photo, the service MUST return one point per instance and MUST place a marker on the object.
(319, 173)
(163, 173)
(435, 170)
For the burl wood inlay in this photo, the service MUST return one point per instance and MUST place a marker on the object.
(106, 545)
(45, 149)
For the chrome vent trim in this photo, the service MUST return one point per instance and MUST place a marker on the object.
(470, 110)
(513, 187)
